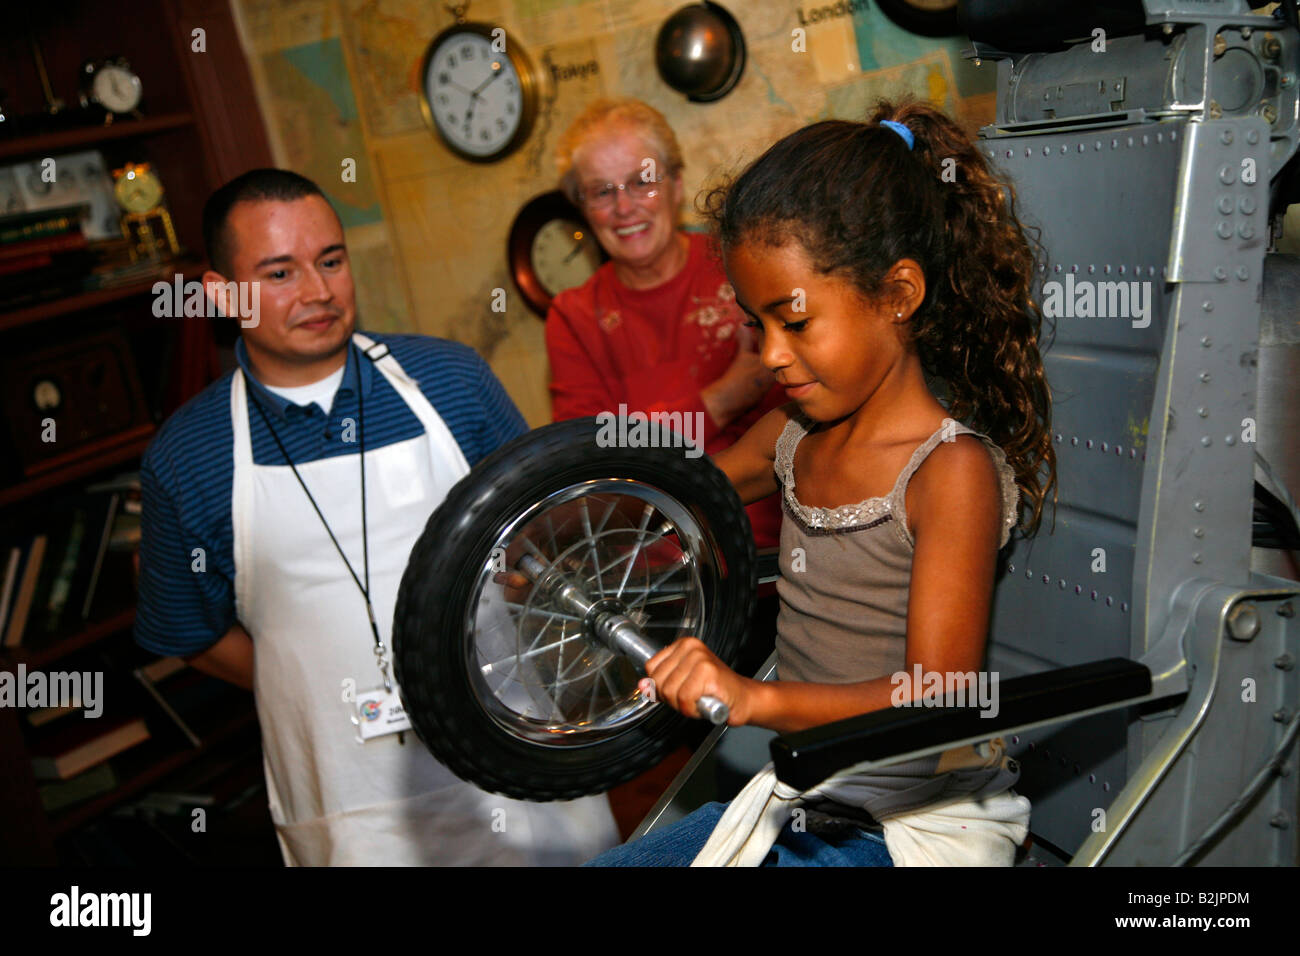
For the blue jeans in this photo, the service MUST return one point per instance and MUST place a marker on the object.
(678, 845)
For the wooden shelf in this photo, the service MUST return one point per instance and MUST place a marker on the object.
(97, 297)
(89, 136)
(129, 448)
(146, 764)
(44, 654)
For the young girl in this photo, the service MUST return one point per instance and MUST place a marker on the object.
(871, 258)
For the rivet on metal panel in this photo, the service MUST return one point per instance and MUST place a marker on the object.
(1015, 739)
(1282, 715)
(1060, 583)
(1058, 436)
(1196, 558)
(1130, 142)
(1124, 606)
(1028, 573)
(1216, 111)
(1106, 269)
(1246, 231)
(1279, 820)
(1123, 269)
(1207, 305)
(1088, 443)
(1224, 229)
(1173, 135)
(1220, 44)
(1081, 147)
(1074, 439)
(1198, 505)
(1220, 273)
(1288, 79)
(1097, 146)
(1203, 412)
(1206, 341)
(1151, 270)
(1028, 152)
(1198, 532)
(1106, 786)
(1078, 589)
(1207, 441)
(1286, 609)
(1074, 268)
(1011, 568)
(1094, 595)
(1243, 622)
(1056, 268)
(1110, 601)
(1246, 32)
(1269, 112)
(1225, 137)
(1064, 149)
(1132, 453)
(1230, 440)
(1166, 29)
(1204, 376)
(1243, 273)
(1105, 446)
(1284, 662)
(1047, 578)
(1252, 137)
(1114, 144)
(1047, 151)
(1146, 140)
(1227, 175)
(1246, 205)
(1008, 154)
(1225, 205)
(1092, 778)
(1119, 450)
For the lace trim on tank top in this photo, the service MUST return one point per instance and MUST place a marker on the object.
(875, 511)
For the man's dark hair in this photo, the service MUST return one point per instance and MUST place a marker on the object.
(252, 186)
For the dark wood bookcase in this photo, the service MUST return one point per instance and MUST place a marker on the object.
(200, 126)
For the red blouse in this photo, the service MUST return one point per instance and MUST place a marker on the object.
(653, 350)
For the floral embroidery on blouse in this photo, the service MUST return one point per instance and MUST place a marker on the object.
(610, 320)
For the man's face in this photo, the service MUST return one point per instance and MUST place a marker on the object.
(294, 251)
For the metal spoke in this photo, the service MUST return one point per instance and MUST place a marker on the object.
(640, 539)
(532, 652)
(591, 547)
(537, 610)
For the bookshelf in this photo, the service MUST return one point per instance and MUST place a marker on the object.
(188, 107)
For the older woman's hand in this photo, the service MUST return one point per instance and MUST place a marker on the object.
(741, 386)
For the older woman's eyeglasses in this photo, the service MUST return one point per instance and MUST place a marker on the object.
(603, 195)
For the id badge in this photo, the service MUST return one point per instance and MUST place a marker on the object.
(379, 712)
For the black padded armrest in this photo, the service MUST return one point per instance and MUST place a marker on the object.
(806, 758)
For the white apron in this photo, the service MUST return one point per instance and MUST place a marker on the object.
(335, 801)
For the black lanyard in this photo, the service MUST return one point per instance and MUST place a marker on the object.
(380, 651)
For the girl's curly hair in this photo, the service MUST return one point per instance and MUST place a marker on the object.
(858, 200)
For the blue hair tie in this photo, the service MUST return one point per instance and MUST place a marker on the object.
(901, 130)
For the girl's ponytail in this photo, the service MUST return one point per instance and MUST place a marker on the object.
(980, 332)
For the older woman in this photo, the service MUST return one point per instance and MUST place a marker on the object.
(656, 328)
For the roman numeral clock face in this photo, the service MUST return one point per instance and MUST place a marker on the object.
(480, 97)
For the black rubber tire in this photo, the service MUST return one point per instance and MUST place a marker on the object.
(428, 641)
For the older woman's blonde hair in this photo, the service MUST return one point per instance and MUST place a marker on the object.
(622, 113)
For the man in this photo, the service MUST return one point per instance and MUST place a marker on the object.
(264, 563)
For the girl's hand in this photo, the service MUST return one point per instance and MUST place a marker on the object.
(687, 670)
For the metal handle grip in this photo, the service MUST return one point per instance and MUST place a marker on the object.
(712, 709)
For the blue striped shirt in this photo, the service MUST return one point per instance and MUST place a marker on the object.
(188, 470)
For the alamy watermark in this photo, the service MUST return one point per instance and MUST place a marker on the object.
(1085, 299)
(179, 299)
(656, 430)
(56, 689)
(923, 688)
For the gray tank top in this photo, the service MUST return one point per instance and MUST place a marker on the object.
(845, 572)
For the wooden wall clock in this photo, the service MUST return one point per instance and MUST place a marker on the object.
(551, 249)
(479, 90)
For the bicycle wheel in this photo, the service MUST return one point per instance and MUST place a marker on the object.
(509, 686)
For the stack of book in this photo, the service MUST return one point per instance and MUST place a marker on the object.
(53, 575)
(43, 254)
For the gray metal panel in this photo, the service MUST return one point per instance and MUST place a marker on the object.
(1051, 609)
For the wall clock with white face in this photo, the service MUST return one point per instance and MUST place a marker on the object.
(480, 91)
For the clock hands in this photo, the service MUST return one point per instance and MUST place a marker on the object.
(577, 248)
(495, 74)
